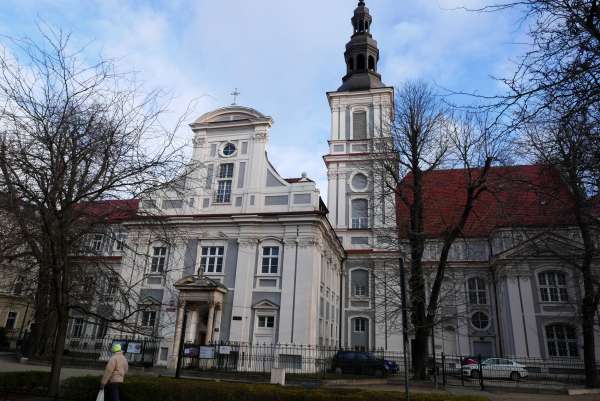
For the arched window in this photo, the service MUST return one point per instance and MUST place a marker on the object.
(359, 280)
(359, 125)
(562, 340)
(351, 64)
(360, 213)
(477, 291)
(553, 286)
(366, 25)
(371, 63)
(361, 26)
(360, 62)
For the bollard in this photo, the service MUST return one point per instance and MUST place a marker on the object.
(278, 376)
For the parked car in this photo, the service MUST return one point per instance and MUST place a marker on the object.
(364, 363)
(496, 368)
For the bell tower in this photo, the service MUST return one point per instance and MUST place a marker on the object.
(362, 54)
(361, 109)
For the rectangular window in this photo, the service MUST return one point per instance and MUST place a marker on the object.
(96, 244)
(360, 325)
(270, 260)
(148, 318)
(360, 290)
(223, 192)
(18, 286)
(226, 170)
(77, 329)
(164, 353)
(102, 329)
(266, 322)
(120, 240)
(212, 259)
(159, 259)
(11, 320)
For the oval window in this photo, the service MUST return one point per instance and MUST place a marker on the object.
(229, 149)
(480, 320)
(359, 182)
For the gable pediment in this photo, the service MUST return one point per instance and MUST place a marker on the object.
(198, 283)
(543, 245)
(265, 304)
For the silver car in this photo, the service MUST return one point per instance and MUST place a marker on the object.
(496, 368)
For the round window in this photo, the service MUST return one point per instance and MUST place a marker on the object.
(229, 149)
(480, 320)
(359, 182)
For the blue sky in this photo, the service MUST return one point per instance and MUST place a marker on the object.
(283, 55)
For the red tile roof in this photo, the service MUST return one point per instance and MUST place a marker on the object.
(112, 211)
(517, 196)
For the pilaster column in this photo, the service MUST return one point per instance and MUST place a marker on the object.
(218, 315)
(175, 351)
(210, 323)
(191, 333)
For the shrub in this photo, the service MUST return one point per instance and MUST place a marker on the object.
(168, 389)
(24, 382)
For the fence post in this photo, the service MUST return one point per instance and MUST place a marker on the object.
(480, 373)
(462, 376)
(443, 369)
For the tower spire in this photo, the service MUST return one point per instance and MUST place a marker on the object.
(362, 54)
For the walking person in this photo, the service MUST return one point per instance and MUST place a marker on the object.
(114, 374)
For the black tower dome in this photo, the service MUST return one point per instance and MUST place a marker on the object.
(362, 54)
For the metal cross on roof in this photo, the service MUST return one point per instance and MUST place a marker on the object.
(235, 94)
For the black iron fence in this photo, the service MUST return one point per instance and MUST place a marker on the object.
(321, 362)
(507, 371)
(138, 350)
(305, 360)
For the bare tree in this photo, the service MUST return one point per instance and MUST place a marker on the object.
(426, 137)
(71, 134)
(569, 141)
(554, 99)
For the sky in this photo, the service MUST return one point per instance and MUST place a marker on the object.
(282, 55)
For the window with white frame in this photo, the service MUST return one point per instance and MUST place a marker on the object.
(359, 279)
(120, 240)
(266, 322)
(480, 320)
(11, 320)
(96, 242)
(148, 319)
(18, 286)
(212, 259)
(477, 291)
(360, 213)
(101, 329)
(562, 340)
(77, 328)
(159, 259)
(270, 260)
(360, 325)
(225, 183)
(553, 286)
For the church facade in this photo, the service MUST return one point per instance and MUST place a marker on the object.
(237, 253)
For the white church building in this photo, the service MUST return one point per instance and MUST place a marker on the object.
(245, 255)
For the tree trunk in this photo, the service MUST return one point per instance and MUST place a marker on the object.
(57, 357)
(420, 353)
(589, 346)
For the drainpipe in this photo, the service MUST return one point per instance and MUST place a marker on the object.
(341, 314)
(294, 292)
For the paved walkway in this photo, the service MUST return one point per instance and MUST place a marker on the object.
(9, 364)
